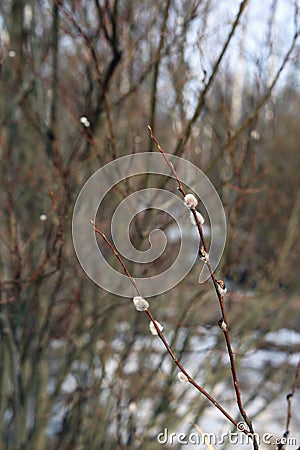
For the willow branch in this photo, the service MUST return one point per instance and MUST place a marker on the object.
(162, 337)
(223, 322)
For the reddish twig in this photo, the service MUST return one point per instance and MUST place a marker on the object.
(223, 322)
(162, 337)
(117, 255)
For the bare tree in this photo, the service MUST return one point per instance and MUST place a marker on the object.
(80, 82)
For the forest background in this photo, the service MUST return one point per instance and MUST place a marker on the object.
(80, 81)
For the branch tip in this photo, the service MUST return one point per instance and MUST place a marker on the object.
(151, 132)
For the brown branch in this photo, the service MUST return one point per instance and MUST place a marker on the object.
(223, 322)
(180, 186)
(201, 102)
(156, 70)
(103, 80)
(289, 397)
(260, 104)
(117, 255)
(162, 337)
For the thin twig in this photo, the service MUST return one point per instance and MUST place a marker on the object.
(180, 186)
(223, 321)
(103, 81)
(244, 125)
(162, 337)
(156, 68)
(117, 255)
(289, 397)
(202, 99)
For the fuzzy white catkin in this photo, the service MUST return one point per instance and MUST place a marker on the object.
(223, 325)
(190, 201)
(140, 303)
(152, 328)
(199, 217)
(222, 289)
(85, 122)
(132, 407)
(205, 257)
(182, 377)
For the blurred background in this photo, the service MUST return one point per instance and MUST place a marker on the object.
(80, 81)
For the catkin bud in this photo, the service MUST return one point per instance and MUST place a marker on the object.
(85, 122)
(221, 288)
(152, 328)
(190, 201)
(140, 303)
(200, 218)
(222, 324)
(204, 256)
(182, 377)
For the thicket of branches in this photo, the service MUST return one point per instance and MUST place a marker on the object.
(78, 368)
